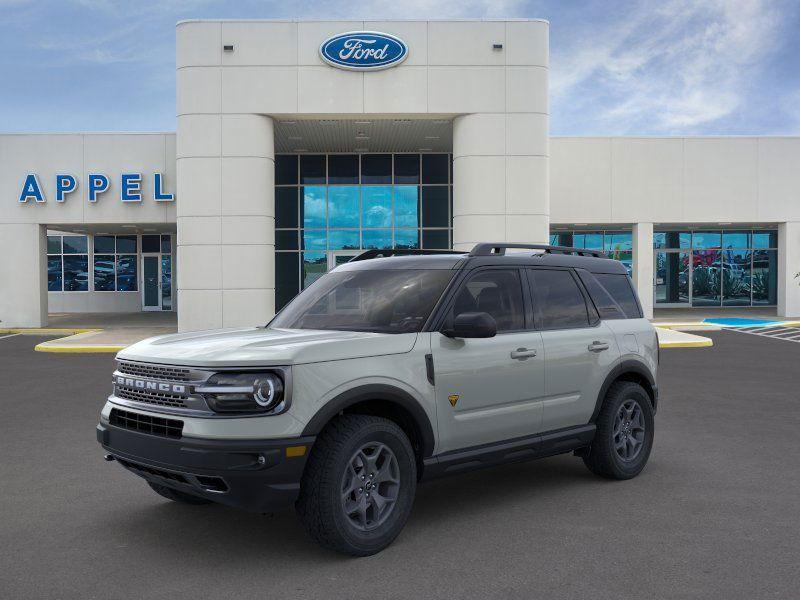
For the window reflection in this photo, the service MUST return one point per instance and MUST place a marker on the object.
(377, 206)
(403, 201)
(343, 206)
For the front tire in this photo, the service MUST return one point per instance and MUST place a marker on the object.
(359, 485)
(624, 437)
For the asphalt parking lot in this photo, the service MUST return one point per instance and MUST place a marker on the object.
(716, 514)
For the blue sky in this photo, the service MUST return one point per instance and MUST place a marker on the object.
(617, 68)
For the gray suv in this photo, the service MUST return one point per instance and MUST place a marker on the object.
(395, 367)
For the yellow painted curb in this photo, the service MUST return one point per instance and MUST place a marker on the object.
(46, 331)
(45, 347)
(704, 343)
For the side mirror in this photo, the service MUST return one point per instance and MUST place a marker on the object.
(472, 325)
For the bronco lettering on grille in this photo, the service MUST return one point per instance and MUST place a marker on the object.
(155, 386)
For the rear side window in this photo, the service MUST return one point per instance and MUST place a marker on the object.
(606, 305)
(620, 288)
(558, 299)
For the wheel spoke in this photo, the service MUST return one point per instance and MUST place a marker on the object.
(370, 486)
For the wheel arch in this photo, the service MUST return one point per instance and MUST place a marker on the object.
(385, 401)
(629, 370)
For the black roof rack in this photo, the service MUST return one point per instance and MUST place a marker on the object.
(499, 248)
(375, 253)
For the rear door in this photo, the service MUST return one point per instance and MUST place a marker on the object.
(489, 389)
(579, 348)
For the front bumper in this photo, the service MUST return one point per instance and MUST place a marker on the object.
(254, 475)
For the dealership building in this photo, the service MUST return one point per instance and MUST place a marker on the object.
(300, 144)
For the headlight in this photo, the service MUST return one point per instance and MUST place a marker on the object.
(243, 392)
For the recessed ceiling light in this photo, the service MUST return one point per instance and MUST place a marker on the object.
(288, 122)
(580, 224)
(441, 121)
(128, 226)
(329, 121)
(301, 149)
(432, 137)
(361, 136)
(363, 122)
(426, 149)
(361, 150)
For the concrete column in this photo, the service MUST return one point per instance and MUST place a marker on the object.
(23, 300)
(642, 274)
(501, 189)
(226, 223)
(788, 267)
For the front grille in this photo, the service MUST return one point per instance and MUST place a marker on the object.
(163, 372)
(159, 398)
(171, 428)
(145, 470)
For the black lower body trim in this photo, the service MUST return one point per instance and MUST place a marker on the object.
(539, 445)
(255, 475)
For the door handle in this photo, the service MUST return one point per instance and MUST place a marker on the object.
(598, 346)
(522, 353)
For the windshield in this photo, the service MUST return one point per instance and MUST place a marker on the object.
(378, 301)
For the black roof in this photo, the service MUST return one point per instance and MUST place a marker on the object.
(552, 256)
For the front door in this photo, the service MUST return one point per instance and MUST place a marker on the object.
(490, 389)
(151, 282)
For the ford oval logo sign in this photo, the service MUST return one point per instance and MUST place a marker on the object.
(363, 50)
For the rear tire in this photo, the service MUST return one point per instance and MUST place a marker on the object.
(624, 436)
(177, 496)
(358, 486)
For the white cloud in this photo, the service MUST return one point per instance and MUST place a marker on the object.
(669, 66)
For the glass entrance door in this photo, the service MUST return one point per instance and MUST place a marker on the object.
(151, 282)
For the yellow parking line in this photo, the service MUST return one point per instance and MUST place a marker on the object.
(704, 343)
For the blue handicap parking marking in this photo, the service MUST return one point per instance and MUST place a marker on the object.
(741, 322)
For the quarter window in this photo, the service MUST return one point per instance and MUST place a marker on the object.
(558, 299)
(496, 292)
(619, 286)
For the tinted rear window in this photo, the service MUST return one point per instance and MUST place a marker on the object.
(620, 288)
(558, 299)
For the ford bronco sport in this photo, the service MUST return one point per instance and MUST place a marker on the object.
(395, 367)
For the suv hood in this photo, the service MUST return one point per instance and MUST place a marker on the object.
(258, 346)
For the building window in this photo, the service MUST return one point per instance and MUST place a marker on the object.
(67, 263)
(329, 207)
(617, 244)
(716, 268)
(115, 263)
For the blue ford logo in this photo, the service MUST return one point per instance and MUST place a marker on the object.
(363, 50)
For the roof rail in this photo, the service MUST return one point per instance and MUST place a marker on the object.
(376, 253)
(499, 248)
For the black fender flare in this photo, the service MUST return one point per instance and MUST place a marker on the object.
(623, 368)
(375, 391)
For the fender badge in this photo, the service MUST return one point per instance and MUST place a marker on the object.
(453, 398)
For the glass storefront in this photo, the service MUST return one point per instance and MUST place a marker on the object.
(716, 268)
(330, 207)
(110, 263)
(618, 244)
(709, 267)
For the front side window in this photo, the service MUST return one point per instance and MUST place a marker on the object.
(370, 300)
(496, 292)
(558, 299)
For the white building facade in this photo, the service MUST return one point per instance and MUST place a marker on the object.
(286, 164)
